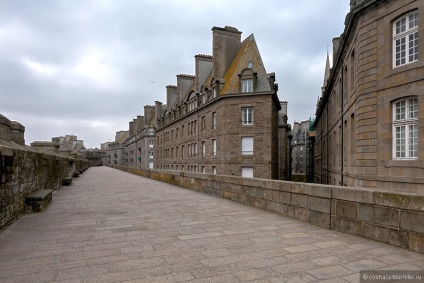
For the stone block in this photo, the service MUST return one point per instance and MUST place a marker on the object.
(260, 203)
(38, 200)
(235, 188)
(354, 194)
(320, 219)
(267, 194)
(300, 188)
(347, 209)
(323, 191)
(386, 235)
(67, 181)
(416, 242)
(275, 196)
(299, 213)
(399, 200)
(284, 197)
(282, 186)
(320, 204)
(247, 200)
(379, 215)
(276, 207)
(299, 200)
(412, 221)
(346, 225)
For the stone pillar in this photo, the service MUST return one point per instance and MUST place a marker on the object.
(17, 132)
(5, 131)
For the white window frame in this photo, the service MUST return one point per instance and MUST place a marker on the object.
(247, 145)
(214, 147)
(151, 154)
(247, 85)
(203, 148)
(405, 129)
(151, 143)
(214, 120)
(151, 132)
(214, 170)
(247, 115)
(405, 39)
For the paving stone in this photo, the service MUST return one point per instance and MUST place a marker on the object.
(111, 226)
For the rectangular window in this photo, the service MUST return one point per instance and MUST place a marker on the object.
(247, 115)
(214, 147)
(214, 120)
(214, 170)
(405, 40)
(182, 151)
(247, 172)
(405, 129)
(203, 124)
(247, 145)
(151, 132)
(247, 85)
(151, 143)
(203, 148)
(203, 169)
(151, 154)
(151, 165)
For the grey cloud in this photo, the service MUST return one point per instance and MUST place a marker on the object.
(133, 49)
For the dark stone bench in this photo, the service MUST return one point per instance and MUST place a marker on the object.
(38, 201)
(76, 174)
(67, 181)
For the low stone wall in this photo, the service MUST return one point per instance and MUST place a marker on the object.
(393, 218)
(24, 170)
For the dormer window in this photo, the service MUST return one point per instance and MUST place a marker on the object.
(247, 80)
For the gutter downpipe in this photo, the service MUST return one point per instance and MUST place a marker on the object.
(342, 131)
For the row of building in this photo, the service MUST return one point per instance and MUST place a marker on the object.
(227, 117)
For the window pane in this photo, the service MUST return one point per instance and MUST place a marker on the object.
(400, 141)
(401, 26)
(413, 21)
(247, 145)
(413, 108)
(247, 172)
(413, 141)
(413, 47)
(400, 110)
(247, 85)
(247, 115)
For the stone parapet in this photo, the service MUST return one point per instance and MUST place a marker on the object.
(25, 170)
(388, 217)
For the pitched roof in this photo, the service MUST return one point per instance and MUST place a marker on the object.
(248, 52)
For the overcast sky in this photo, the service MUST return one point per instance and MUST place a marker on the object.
(87, 67)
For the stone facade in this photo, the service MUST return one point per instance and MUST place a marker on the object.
(135, 148)
(368, 119)
(223, 119)
(298, 143)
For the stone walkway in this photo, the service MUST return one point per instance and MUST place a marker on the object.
(111, 226)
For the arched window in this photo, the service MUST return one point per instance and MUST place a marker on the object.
(405, 128)
(405, 39)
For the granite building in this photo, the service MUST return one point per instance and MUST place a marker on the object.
(368, 118)
(224, 118)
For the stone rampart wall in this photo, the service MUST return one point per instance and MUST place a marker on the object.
(24, 170)
(389, 217)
